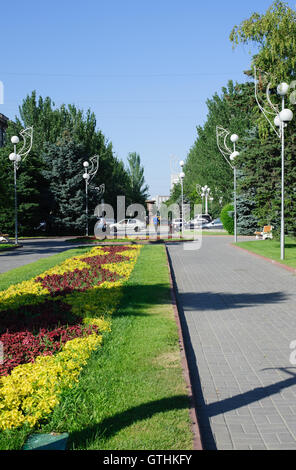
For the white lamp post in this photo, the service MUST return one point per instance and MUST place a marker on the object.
(16, 159)
(281, 120)
(88, 175)
(284, 117)
(182, 176)
(229, 155)
(202, 202)
(206, 192)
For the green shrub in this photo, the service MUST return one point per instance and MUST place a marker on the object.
(228, 219)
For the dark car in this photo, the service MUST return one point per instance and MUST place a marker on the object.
(199, 222)
(215, 224)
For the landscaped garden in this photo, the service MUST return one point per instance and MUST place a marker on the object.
(91, 348)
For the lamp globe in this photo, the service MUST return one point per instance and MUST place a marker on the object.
(14, 139)
(282, 89)
(286, 115)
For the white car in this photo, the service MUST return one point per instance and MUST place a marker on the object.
(127, 225)
(177, 224)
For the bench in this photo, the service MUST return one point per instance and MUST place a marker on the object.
(266, 233)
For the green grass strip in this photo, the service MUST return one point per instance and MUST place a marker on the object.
(131, 394)
(6, 246)
(272, 249)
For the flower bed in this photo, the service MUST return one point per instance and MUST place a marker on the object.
(51, 324)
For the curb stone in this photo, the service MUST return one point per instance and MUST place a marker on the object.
(197, 444)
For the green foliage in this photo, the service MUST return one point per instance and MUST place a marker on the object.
(259, 164)
(275, 35)
(138, 190)
(65, 212)
(247, 222)
(205, 164)
(50, 184)
(227, 219)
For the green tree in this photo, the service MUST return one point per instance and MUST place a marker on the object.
(274, 36)
(52, 125)
(205, 164)
(138, 189)
(65, 213)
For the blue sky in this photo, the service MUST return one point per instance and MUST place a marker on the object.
(144, 67)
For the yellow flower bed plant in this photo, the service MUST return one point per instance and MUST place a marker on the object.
(32, 390)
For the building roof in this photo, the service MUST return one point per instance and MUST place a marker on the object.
(3, 119)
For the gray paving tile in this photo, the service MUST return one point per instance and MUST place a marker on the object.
(241, 317)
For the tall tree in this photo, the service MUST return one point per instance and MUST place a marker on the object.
(65, 213)
(138, 189)
(274, 36)
(205, 164)
(51, 126)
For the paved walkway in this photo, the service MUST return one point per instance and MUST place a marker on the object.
(32, 250)
(238, 316)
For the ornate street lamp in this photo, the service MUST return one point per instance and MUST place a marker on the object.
(182, 176)
(280, 121)
(231, 155)
(90, 170)
(205, 193)
(16, 158)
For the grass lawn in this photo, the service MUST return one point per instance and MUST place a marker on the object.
(131, 394)
(271, 249)
(5, 246)
(188, 235)
(206, 232)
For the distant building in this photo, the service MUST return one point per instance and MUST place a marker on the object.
(160, 200)
(151, 210)
(174, 180)
(3, 126)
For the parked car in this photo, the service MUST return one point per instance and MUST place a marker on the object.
(127, 225)
(215, 224)
(177, 224)
(203, 217)
(101, 224)
(110, 221)
(199, 221)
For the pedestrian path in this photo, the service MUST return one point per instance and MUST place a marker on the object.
(32, 250)
(238, 316)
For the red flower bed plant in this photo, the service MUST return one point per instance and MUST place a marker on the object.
(43, 329)
(24, 346)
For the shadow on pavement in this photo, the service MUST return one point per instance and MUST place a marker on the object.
(219, 301)
(201, 301)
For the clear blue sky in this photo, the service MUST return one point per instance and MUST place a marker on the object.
(145, 67)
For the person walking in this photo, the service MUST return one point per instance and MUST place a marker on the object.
(155, 223)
